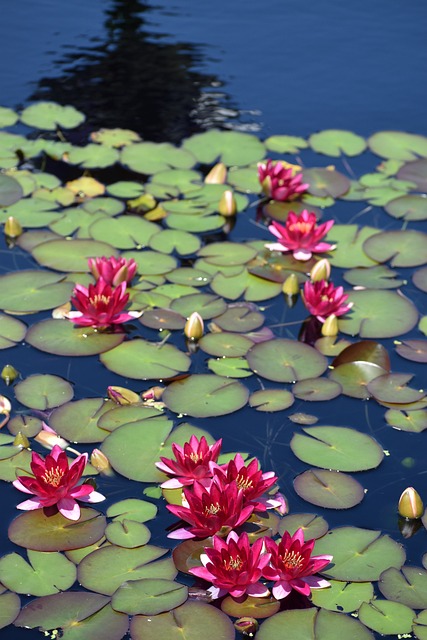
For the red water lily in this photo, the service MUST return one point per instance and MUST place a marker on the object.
(279, 182)
(113, 270)
(233, 566)
(250, 479)
(301, 235)
(191, 462)
(100, 305)
(322, 299)
(211, 509)
(55, 485)
(292, 567)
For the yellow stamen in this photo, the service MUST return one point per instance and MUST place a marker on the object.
(243, 483)
(292, 560)
(212, 509)
(98, 299)
(233, 563)
(53, 476)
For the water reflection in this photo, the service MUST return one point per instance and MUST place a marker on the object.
(136, 80)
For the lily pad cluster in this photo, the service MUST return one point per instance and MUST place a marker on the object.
(184, 215)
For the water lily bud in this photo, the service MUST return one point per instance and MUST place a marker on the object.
(153, 394)
(194, 327)
(330, 326)
(5, 405)
(21, 441)
(410, 504)
(227, 205)
(247, 626)
(122, 396)
(101, 463)
(12, 228)
(9, 374)
(49, 439)
(321, 270)
(291, 286)
(217, 175)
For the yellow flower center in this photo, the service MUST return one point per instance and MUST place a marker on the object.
(243, 483)
(53, 477)
(303, 227)
(195, 457)
(292, 560)
(212, 509)
(233, 563)
(99, 299)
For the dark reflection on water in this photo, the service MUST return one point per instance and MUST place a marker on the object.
(135, 80)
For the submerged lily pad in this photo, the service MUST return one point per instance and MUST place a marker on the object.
(43, 391)
(61, 337)
(285, 360)
(205, 396)
(329, 489)
(143, 360)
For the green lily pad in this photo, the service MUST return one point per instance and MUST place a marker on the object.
(31, 239)
(411, 207)
(143, 360)
(205, 396)
(419, 279)
(229, 147)
(66, 255)
(195, 224)
(280, 210)
(407, 586)
(316, 389)
(227, 253)
(239, 319)
(391, 387)
(170, 240)
(364, 351)
(190, 276)
(313, 624)
(360, 555)
(27, 425)
(229, 367)
(329, 489)
(269, 400)
(343, 596)
(150, 596)
(229, 345)
(125, 189)
(10, 605)
(32, 212)
(162, 319)
(105, 569)
(114, 418)
(34, 530)
(244, 179)
(30, 291)
(132, 509)
(12, 331)
(152, 157)
(8, 117)
(331, 346)
(303, 418)
(398, 145)
(285, 360)
(43, 391)
(78, 421)
(207, 305)
(416, 172)
(350, 241)
(419, 627)
(380, 277)
(412, 421)
(43, 575)
(115, 137)
(312, 525)
(15, 465)
(50, 116)
(61, 337)
(285, 144)
(123, 232)
(402, 248)
(192, 620)
(415, 350)
(127, 533)
(325, 182)
(335, 142)
(251, 607)
(334, 447)
(388, 617)
(92, 156)
(378, 314)
(354, 377)
(10, 190)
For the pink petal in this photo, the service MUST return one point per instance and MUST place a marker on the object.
(276, 246)
(315, 582)
(18, 485)
(30, 505)
(258, 590)
(173, 483)
(302, 254)
(93, 497)
(69, 508)
(181, 534)
(281, 589)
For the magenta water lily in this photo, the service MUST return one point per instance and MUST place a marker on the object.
(279, 182)
(100, 305)
(113, 270)
(191, 462)
(301, 235)
(322, 299)
(56, 486)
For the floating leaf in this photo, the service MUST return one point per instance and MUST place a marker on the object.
(335, 142)
(398, 145)
(114, 418)
(419, 279)
(328, 489)
(62, 338)
(313, 526)
(77, 421)
(43, 392)
(50, 116)
(285, 144)
(415, 172)
(407, 586)
(252, 607)
(240, 319)
(325, 182)
(227, 253)
(411, 207)
(127, 533)
(350, 241)
(317, 389)
(378, 314)
(229, 147)
(10, 190)
(92, 156)
(285, 360)
(354, 377)
(12, 331)
(66, 255)
(204, 396)
(225, 344)
(343, 596)
(169, 240)
(402, 248)
(412, 421)
(229, 367)
(391, 387)
(364, 351)
(359, 554)
(334, 447)
(152, 157)
(115, 137)
(142, 360)
(30, 291)
(271, 400)
(380, 277)
(8, 117)
(415, 350)
(419, 627)
(162, 319)
(387, 617)
(207, 305)
(124, 232)
(132, 509)
(34, 530)
(10, 605)
(149, 597)
(43, 575)
(303, 418)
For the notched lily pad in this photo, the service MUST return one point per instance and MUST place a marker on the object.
(61, 337)
(284, 360)
(50, 116)
(402, 248)
(269, 400)
(43, 391)
(29, 291)
(329, 489)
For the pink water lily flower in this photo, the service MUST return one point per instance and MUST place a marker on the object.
(191, 462)
(216, 508)
(279, 182)
(55, 485)
(100, 305)
(113, 270)
(234, 567)
(301, 235)
(292, 567)
(250, 479)
(322, 299)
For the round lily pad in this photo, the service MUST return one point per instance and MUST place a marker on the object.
(207, 305)
(152, 157)
(378, 314)
(380, 277)
(12, 331)
(227, 253)
(354, 377)
(329, 489)
(27, 425)
(334, 447)
(359, 554)
(326, 182)
(250, 607)
(343, 596)
(162, 319)
(43, 574)
(10, 605)
(205, 396)
(285, 144)
(303, 418)
(189, 275)
(335, 142)
(312, 525)
(419, 279)
(43, 391)
(143, 360)
(407, 586)
(387, 617)
(67, 255)
(29, 291)
(391, 387)
(419, 627)
(34, 530)
(410, 207)
(402, 248)
(285, 360)
(127, 533)
(225, 344)
(316, 389)
(240, 319)
(245, 284)
(114, 418)
(415, 172)
(349, 251)
(269, 400)
(61, 337)
(132, 509)
(415, 350)
(398, 145)
(78, 421)
(170, 240)
(124, 232)
(230, 367)
(50, 116)
(229, 147)
(412, 421)
(10, 191)
(150, 596)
